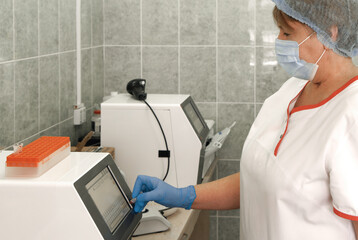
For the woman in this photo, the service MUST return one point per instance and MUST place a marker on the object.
(299, 166)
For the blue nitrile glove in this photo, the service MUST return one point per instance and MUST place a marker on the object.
(153, 189)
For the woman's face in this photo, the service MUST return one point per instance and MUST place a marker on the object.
(311, 49)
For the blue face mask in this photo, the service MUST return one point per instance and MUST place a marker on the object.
(287, 53)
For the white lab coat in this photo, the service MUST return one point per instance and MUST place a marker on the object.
(299, 168)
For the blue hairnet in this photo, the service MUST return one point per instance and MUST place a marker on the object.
(321, 15)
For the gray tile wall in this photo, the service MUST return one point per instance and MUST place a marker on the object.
(38, 67)
(219, 51)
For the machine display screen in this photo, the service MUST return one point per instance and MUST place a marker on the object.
(193, 117)
(108, 198)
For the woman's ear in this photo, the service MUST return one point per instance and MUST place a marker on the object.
(334, 33)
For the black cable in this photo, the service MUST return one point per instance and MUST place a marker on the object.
(165, 139)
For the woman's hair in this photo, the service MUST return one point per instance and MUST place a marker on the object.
(281, 18)
(323, 17)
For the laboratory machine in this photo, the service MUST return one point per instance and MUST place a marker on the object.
(130, 127)
(83, 196)
(161, 135)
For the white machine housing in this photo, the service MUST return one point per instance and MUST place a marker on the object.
(55, 205)
(129, 126)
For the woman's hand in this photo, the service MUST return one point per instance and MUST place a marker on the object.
(153, 189)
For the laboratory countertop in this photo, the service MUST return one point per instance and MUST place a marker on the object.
(182, 221)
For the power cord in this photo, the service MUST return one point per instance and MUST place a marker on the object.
(165, 139)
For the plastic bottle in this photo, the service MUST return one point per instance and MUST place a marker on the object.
(96, 122)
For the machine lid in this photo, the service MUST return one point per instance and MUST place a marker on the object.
(152, 99)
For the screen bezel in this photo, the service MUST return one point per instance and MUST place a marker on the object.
(201, 135)
(129, 207)
(127, 226)
(205, 131)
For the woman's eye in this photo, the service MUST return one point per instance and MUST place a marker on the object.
(286, 34)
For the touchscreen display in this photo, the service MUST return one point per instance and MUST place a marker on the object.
(193, 117)
(108, 198)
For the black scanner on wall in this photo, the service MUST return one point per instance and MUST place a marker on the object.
(136, 87)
